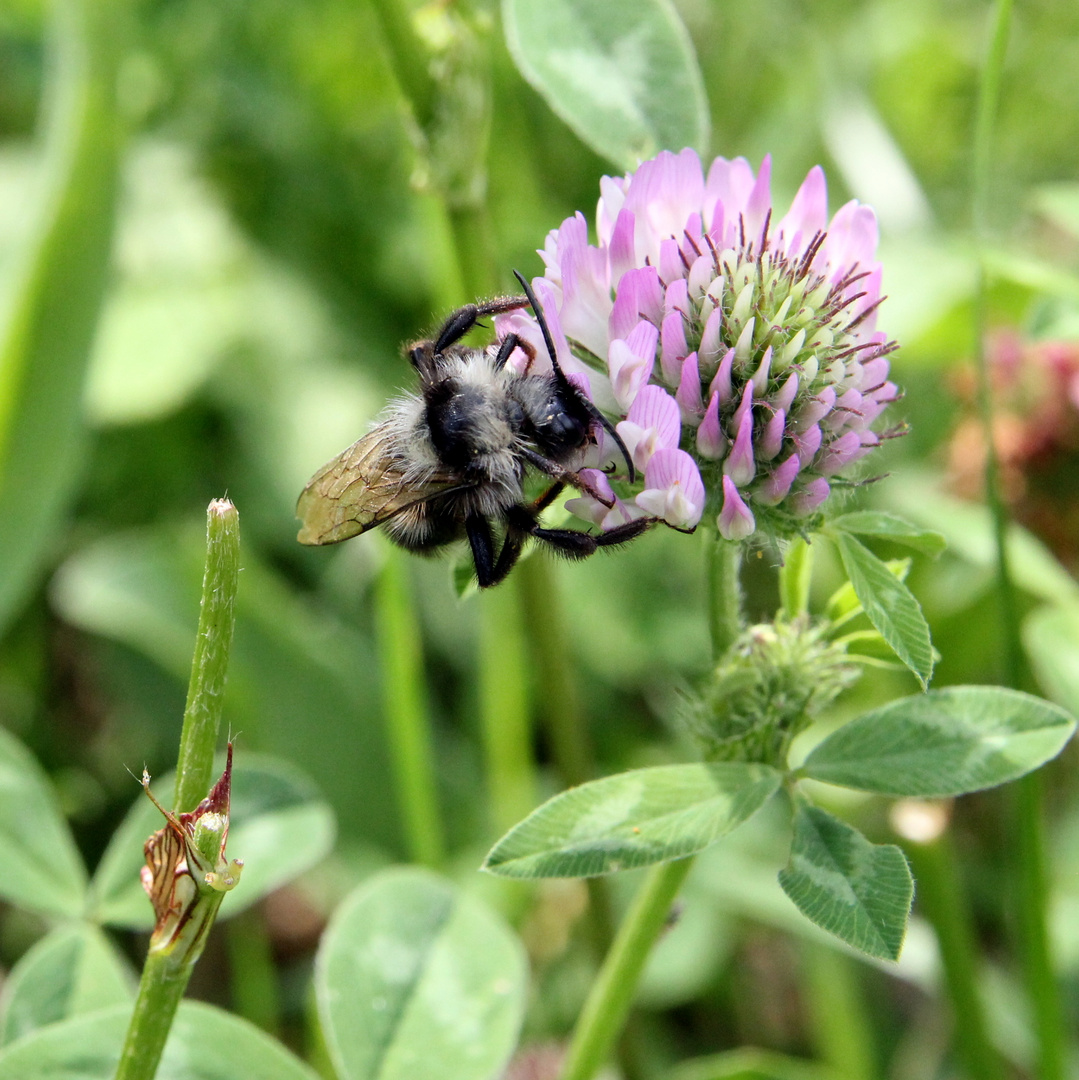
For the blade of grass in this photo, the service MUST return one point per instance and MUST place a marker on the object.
(504, 707)
(942, 897)
(52, 311)
(1031, 879)
(407, 718)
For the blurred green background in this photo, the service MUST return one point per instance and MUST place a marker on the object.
(273, 248)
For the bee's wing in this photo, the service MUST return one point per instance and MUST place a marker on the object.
(361, 488)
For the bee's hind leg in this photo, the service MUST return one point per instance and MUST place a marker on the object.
(482, 544)
(579, 545)
(489, 569)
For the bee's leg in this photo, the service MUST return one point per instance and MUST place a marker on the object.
(622, 534)
(547, 498)
(508, 556)
(489, 570)
(563, 476)
(464, 318)
(551, 468)
(579, 545)
(505, 350)
(482, 544)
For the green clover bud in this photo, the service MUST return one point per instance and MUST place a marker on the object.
(768, 687)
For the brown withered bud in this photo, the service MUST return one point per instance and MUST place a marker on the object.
(187, 872)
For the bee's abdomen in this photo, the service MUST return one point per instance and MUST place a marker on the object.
(425, 527)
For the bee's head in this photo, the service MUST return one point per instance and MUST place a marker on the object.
(566, 389)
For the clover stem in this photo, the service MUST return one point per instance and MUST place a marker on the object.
(209, 665)
(724, 592)
(612, 993)
(794, 578)
(160, 989)
(167, 971)
(943, 900)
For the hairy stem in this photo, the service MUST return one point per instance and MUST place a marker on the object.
(794, 578)
(160, 989)
(724, 593)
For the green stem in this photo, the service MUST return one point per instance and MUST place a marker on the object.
(408, 57)
(472, 239)
(557, 696)
(1028, 838)
(1032, 889)
(407, 718)
(840, 1024)
(504, 714)
(209, 666)
(724, 593)
(612, 993)
(160, 989)
(165, 973)
(942, 898)
(794, 578)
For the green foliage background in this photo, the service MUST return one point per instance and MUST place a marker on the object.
(275, 245)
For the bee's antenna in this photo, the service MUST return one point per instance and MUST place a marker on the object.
(548, 340)
(560, 375)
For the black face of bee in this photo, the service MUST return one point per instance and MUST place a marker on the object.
(451, 462)
(564, 427)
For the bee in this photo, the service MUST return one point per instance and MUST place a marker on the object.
(449, 463)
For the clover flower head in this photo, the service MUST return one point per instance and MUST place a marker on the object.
(1035, 387)
(739, 347)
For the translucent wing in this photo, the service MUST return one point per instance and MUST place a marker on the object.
(362, 487)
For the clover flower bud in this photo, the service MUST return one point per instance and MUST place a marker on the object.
(768, 687)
